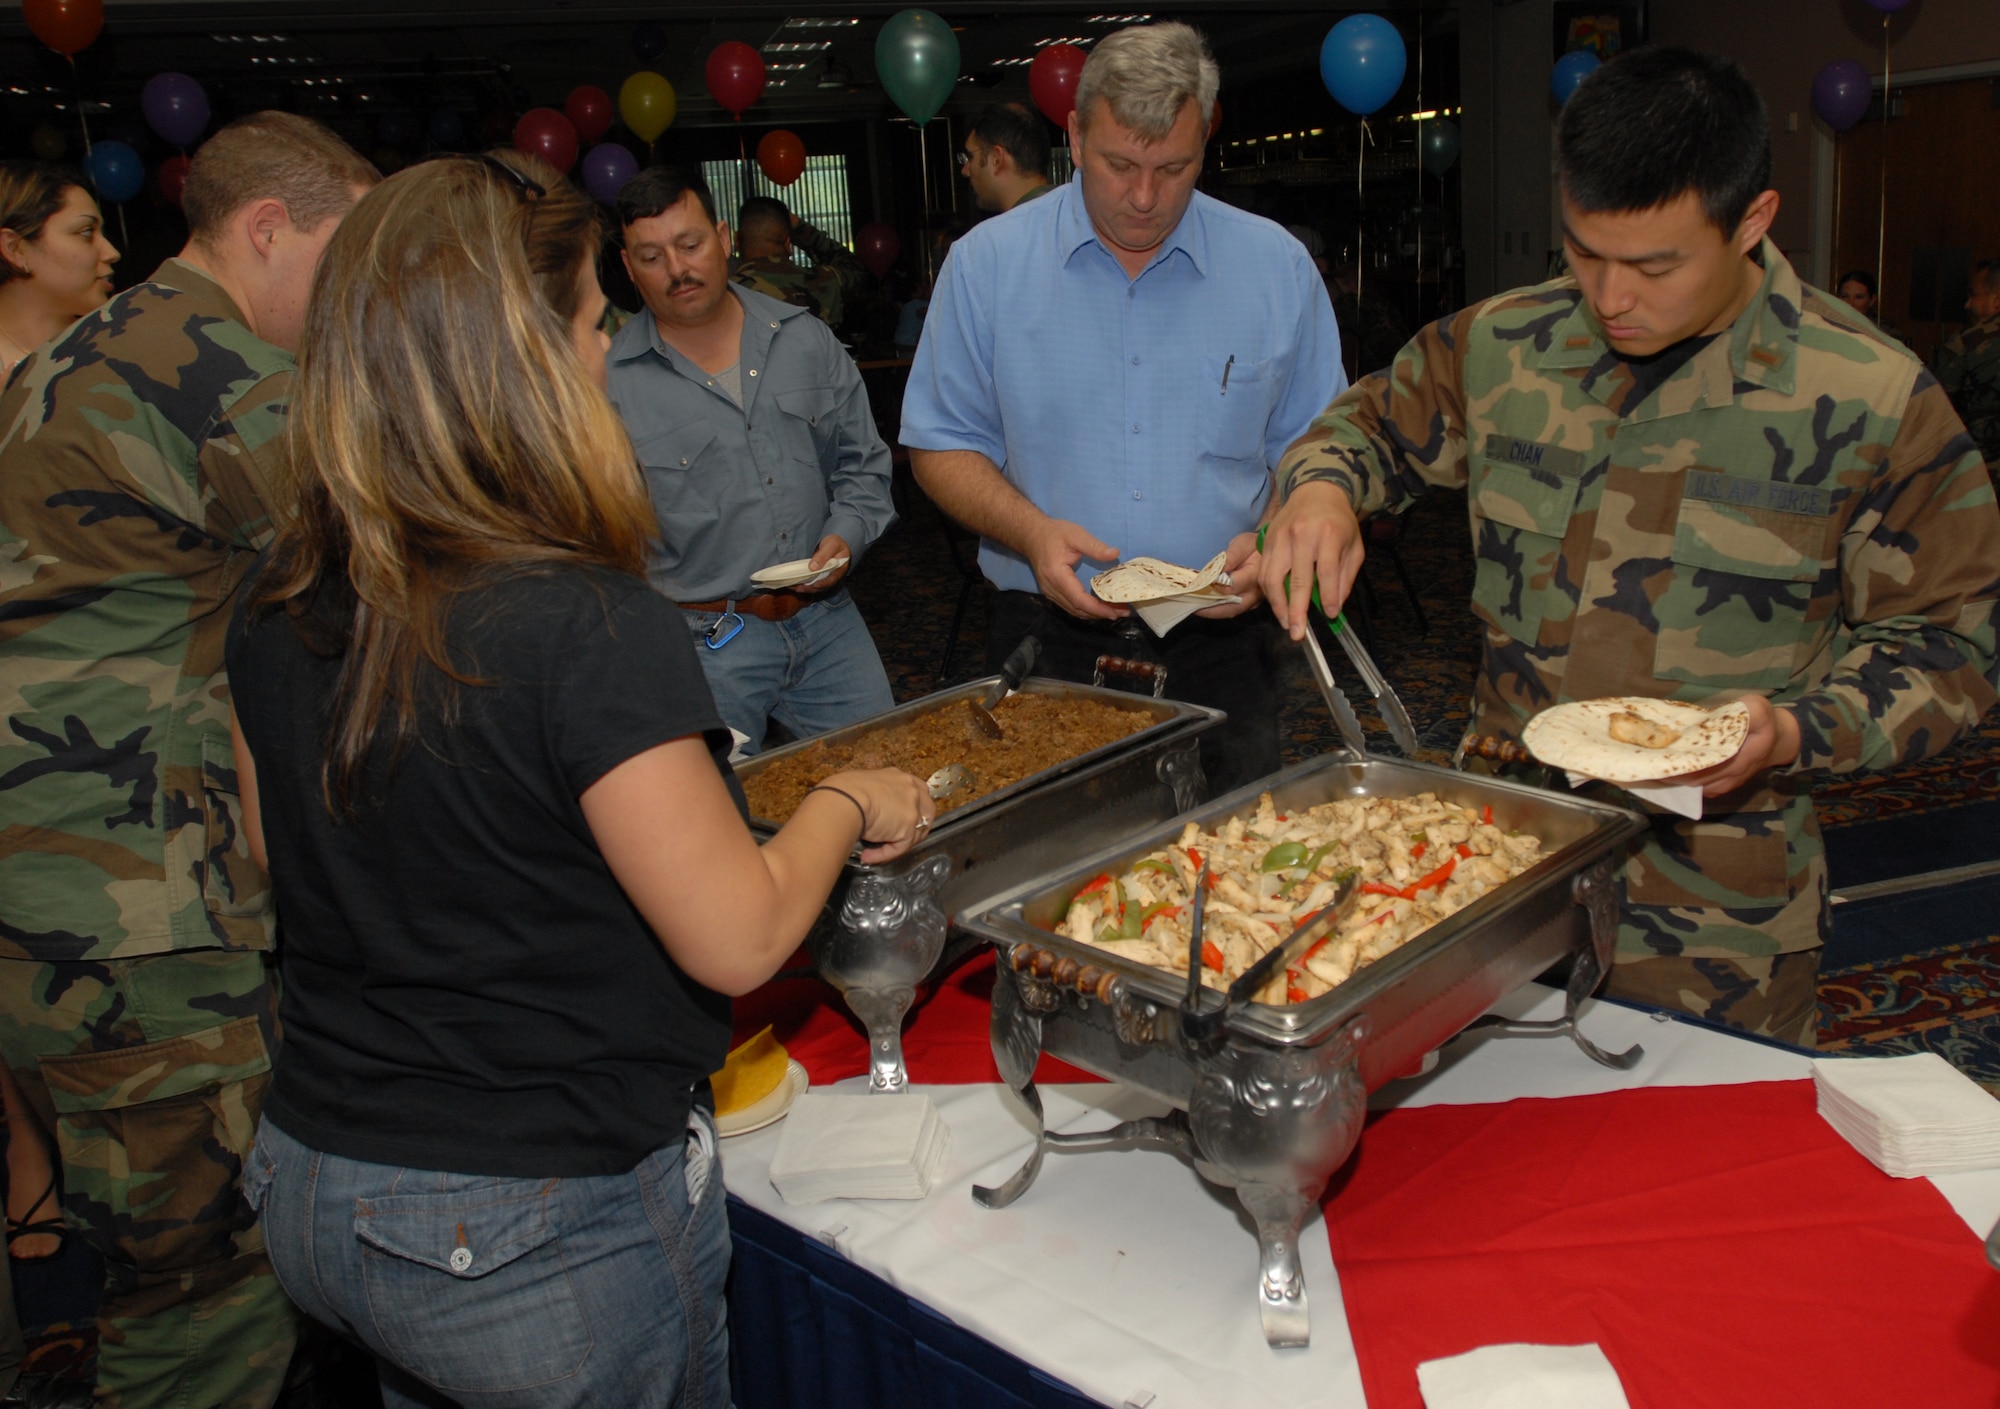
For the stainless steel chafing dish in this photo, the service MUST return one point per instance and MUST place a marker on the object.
(1273, 1104)
(884, 929)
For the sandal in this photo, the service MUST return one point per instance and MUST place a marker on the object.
(57, 1227)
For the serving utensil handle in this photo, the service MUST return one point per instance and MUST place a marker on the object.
(1140, 669)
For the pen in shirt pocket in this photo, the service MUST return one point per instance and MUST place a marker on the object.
(1225, 373)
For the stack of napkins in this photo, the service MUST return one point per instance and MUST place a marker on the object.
(859, 1147)
(1910, 1115)
(1523, 1377)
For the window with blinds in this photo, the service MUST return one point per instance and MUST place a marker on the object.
(819, 197)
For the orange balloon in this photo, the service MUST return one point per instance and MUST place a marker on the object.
(782, 156)
(66, 26)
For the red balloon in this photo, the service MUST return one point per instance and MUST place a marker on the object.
(735, 76)
(878, 245)
(1052, 81)
(590, 112)
(173, 177)
(546, 133)
(782, 156)
(66, 26)
(1214, 121)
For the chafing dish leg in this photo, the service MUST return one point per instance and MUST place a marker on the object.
(1281, 1284)
(881, 1011)
(1180, 769)
(1017, 1184)
(1017, 1046)
(1168, 1132)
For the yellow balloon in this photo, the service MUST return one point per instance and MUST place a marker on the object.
(647, 103)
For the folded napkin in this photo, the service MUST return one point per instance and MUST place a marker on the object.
(1681, 799)
(859, 1147)
(1522, 1377)
(1165, 613)
(1910, 1115)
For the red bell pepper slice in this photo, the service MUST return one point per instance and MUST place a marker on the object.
(1211, 956)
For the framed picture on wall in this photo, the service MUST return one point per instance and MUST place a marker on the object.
(1603, 27)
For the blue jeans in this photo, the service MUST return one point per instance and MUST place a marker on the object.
(510, 1293)
(817, 672)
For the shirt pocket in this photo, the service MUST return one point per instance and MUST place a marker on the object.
(231, 883)
(1236, 401)
(1752, 588)
(1519, 517)
(686, 477)
(807, 425)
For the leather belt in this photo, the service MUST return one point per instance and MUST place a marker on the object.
(765, 606)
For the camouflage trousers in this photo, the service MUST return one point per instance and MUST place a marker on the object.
(152, 1073)
(1774, 995)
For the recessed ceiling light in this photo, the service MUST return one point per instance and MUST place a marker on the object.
(1079, 40)
(1117, 19)
(798, 46)
(821, 22)
(787, 67)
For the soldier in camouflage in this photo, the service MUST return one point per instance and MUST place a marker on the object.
(1689, 477)
(138, 456)
(1968, 365)
(765, 235)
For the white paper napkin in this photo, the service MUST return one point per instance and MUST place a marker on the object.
(1911, 1115)
(1523, 1377)
(1163, 614)
(859, 1147)
(1681, 799)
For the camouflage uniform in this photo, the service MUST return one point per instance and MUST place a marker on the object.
(136, 1007)
(1968, 368)
(1794, 511)
(828, 289)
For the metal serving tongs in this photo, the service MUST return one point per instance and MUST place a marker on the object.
(1387, 702)
(1202, 1031)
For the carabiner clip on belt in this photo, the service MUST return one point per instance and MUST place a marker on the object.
(725, 628)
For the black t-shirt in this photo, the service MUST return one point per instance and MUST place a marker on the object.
(466, 987)
(1650, 373)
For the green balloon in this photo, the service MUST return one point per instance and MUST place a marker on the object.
(916, 57)
(1440, 146)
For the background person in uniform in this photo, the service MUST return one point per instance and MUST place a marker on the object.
(1006, 157)
(1856, 289)
(55, 260)
(136, 1011)
(1115, 369)
(1691, 478)
(1968, 365)
(765, 234)
(754, 432)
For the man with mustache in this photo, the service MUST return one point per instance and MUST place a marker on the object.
(1691, 478)
(754, 432)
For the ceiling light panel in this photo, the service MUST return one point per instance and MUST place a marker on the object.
(821, 22)
(798, 46)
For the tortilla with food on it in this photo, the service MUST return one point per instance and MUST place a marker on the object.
(1578, 736)
(1149, 579)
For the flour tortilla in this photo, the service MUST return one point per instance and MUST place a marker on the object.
(1577, 737)
(1149, 580)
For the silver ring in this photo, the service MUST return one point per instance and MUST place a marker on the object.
(923, 823)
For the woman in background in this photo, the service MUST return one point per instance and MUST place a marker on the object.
(55, 263)
(515, 875)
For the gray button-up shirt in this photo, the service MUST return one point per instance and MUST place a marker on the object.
(741, 489)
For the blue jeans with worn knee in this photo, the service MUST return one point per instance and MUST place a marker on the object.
(817, 672)
(509, 1293)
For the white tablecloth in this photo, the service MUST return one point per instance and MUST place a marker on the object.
(1126, 1276)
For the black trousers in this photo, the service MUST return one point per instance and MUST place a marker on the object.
(1227, 665)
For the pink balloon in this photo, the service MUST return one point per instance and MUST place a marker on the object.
(877, 246)
(546, 133)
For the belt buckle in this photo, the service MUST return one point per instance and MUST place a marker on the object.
(715, 638)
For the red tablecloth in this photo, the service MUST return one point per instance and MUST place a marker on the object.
(1721, 1243)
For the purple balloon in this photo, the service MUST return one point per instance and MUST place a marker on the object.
(175, 107)
(606, 168)
(1888, 7)
(1841, 94)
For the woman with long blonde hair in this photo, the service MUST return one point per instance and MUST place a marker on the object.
(55, 260)
(512, 866)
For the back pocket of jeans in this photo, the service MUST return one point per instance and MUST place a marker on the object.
(468, 1289)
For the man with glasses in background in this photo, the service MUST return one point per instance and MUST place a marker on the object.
(1006, 157)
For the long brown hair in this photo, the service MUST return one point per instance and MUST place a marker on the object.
(443, 432)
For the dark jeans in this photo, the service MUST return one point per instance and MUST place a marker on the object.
(1228, 665)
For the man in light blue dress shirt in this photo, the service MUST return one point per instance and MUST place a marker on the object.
(1112, 371)
(753, 429)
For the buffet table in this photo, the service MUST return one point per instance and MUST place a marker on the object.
(1693, 1217)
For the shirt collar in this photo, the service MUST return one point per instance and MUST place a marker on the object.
(1190, 237)
(642, 334)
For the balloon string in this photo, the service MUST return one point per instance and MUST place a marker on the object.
(1360, 233)
(924, 162)
(1421, 26)
(1882, 221)
(82, 117)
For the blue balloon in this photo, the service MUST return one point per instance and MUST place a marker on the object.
(116, 171)
(1570, 70)
(446, 127)
(1362, 62)
(606, 168)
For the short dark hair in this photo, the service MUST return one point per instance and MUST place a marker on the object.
(1017, 131)
(660, 188)
(1987, 269)
(1856, 276)
(1658, 122)
(760, 213)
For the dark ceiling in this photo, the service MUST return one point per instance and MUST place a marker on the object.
(343, 61)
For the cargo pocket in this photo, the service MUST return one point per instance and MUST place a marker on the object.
(154, 1138)
(1519, 517)
(467, 1287)
(1751, 592)
(231, 883)
(1738, 862)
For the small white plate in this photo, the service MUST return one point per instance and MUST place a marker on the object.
(797, 573)
(759, 1114)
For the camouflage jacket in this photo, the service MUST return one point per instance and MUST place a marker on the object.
(136, 455)
(1968, 368)
(828, 289)
(1795, 511)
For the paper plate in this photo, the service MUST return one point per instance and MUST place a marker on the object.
(795, 573)
(1577, 736)
(759, 1114)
